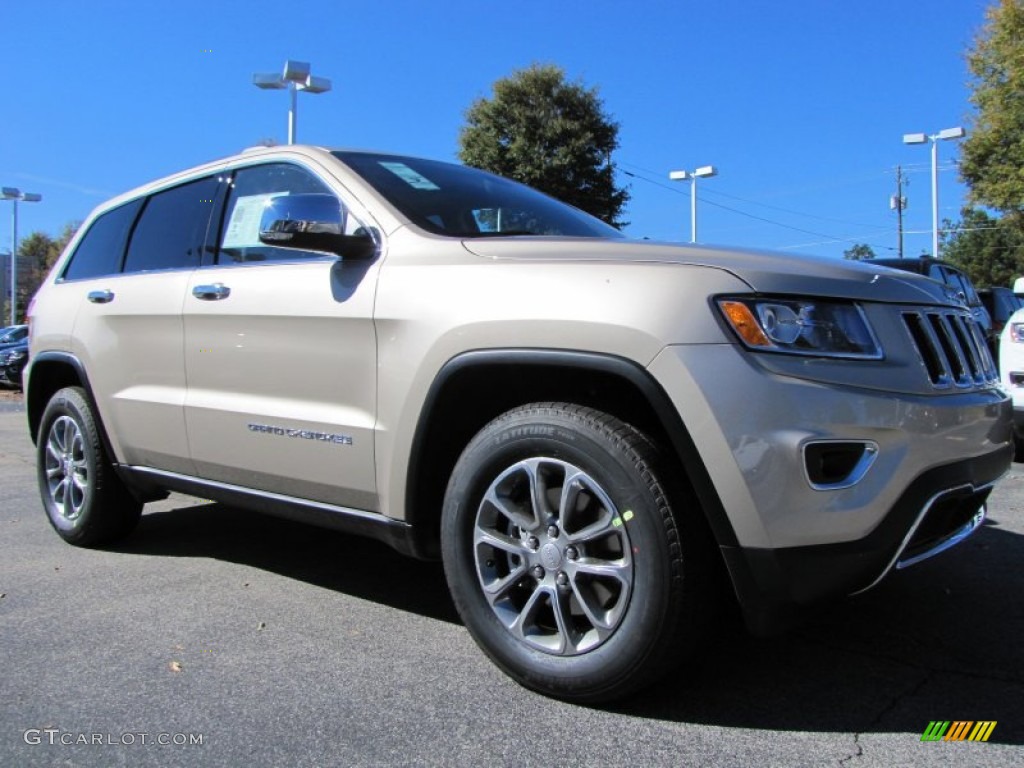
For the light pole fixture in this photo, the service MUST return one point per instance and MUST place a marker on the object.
(295, 78)
(692, 176)
(15, 195)
(923, 138)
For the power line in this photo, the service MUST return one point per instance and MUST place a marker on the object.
(831, 238)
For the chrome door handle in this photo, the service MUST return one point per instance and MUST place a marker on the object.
(101, 297)
(214, 292)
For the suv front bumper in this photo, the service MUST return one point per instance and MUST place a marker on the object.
(935, 458)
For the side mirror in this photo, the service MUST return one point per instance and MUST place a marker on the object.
(1018, 286)
(312, 222)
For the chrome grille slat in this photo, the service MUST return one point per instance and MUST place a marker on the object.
(951, 347)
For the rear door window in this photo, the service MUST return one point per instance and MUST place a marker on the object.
(171, 232)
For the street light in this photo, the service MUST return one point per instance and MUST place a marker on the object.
(922, 138)
(15, 195)
(706, 170)
(295, 78)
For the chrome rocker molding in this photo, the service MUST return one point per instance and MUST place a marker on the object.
(394, 533)
(950, 540)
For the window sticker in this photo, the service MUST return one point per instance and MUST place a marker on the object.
(243, 229)
(413, 178)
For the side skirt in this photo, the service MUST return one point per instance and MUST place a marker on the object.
(394, 533)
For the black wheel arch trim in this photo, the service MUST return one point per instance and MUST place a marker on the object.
(623, 368)
(34, 409)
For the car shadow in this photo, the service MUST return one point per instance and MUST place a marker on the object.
(353, 565)
(940, 641)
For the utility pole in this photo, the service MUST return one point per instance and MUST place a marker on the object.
(897, 203)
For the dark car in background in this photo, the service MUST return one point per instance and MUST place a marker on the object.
(13, 358)
(13, 334)
(960, 286)
(1000, 302)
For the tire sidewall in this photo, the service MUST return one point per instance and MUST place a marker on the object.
(612, 465)
(69, 403)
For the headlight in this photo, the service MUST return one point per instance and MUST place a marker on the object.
(802, 327)
(1017, 332)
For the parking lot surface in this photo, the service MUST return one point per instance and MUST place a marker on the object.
(216, 637)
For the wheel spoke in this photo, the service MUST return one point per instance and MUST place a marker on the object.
(538, 492)
(562, 605)
(526, 620)
(492, 538)
(499, 589)
(621, 571)
(602, 617)
(503, 506)
(60, 495)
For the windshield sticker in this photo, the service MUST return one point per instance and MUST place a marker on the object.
(413, 178)
(243, 229)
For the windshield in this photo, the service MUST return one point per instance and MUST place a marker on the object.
(459, 201)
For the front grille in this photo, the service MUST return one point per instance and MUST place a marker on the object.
(952, 348)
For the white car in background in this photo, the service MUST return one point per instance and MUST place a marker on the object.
(1011, 366)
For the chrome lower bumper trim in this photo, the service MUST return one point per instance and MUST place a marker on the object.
(942, 545)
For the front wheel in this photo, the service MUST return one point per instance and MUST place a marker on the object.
(85, 501)
(565, 557)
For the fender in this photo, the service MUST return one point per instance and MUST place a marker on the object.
(618, 367)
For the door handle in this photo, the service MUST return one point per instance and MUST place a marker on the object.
(214, 292)
(101, 297)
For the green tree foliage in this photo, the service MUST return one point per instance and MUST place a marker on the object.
(990, 250)
(993, 153)
(37, 254)
(551, 134)
(859, 252)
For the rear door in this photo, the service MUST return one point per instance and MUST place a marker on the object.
(128, 328)
(280, 354)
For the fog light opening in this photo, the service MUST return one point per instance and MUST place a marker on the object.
(832, 465)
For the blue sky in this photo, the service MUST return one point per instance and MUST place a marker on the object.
(801, 104)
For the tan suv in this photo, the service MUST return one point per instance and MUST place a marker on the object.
(593, 433)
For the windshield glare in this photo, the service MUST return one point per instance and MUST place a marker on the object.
(458, 201)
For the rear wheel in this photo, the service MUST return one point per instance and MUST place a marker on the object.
(86, 502)
(565, 557)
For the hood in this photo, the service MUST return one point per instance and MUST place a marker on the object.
(765, 272)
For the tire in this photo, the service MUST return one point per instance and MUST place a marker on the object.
(86, 502)
(594, 588)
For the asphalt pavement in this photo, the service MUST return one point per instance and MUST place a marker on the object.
(216, 637)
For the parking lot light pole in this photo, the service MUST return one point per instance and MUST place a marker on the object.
(15, 195)
(704, 171)
(295, 78)
(920, 138)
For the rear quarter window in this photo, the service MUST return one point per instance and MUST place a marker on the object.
(100, 250)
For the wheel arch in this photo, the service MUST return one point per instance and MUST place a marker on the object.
(50, 372)
(453, 412)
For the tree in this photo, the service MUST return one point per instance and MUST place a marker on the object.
(37, 254)
(859, 252)
(553, 135)
(993, 153)
(989, 250)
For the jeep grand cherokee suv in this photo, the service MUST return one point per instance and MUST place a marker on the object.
(588, 431)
